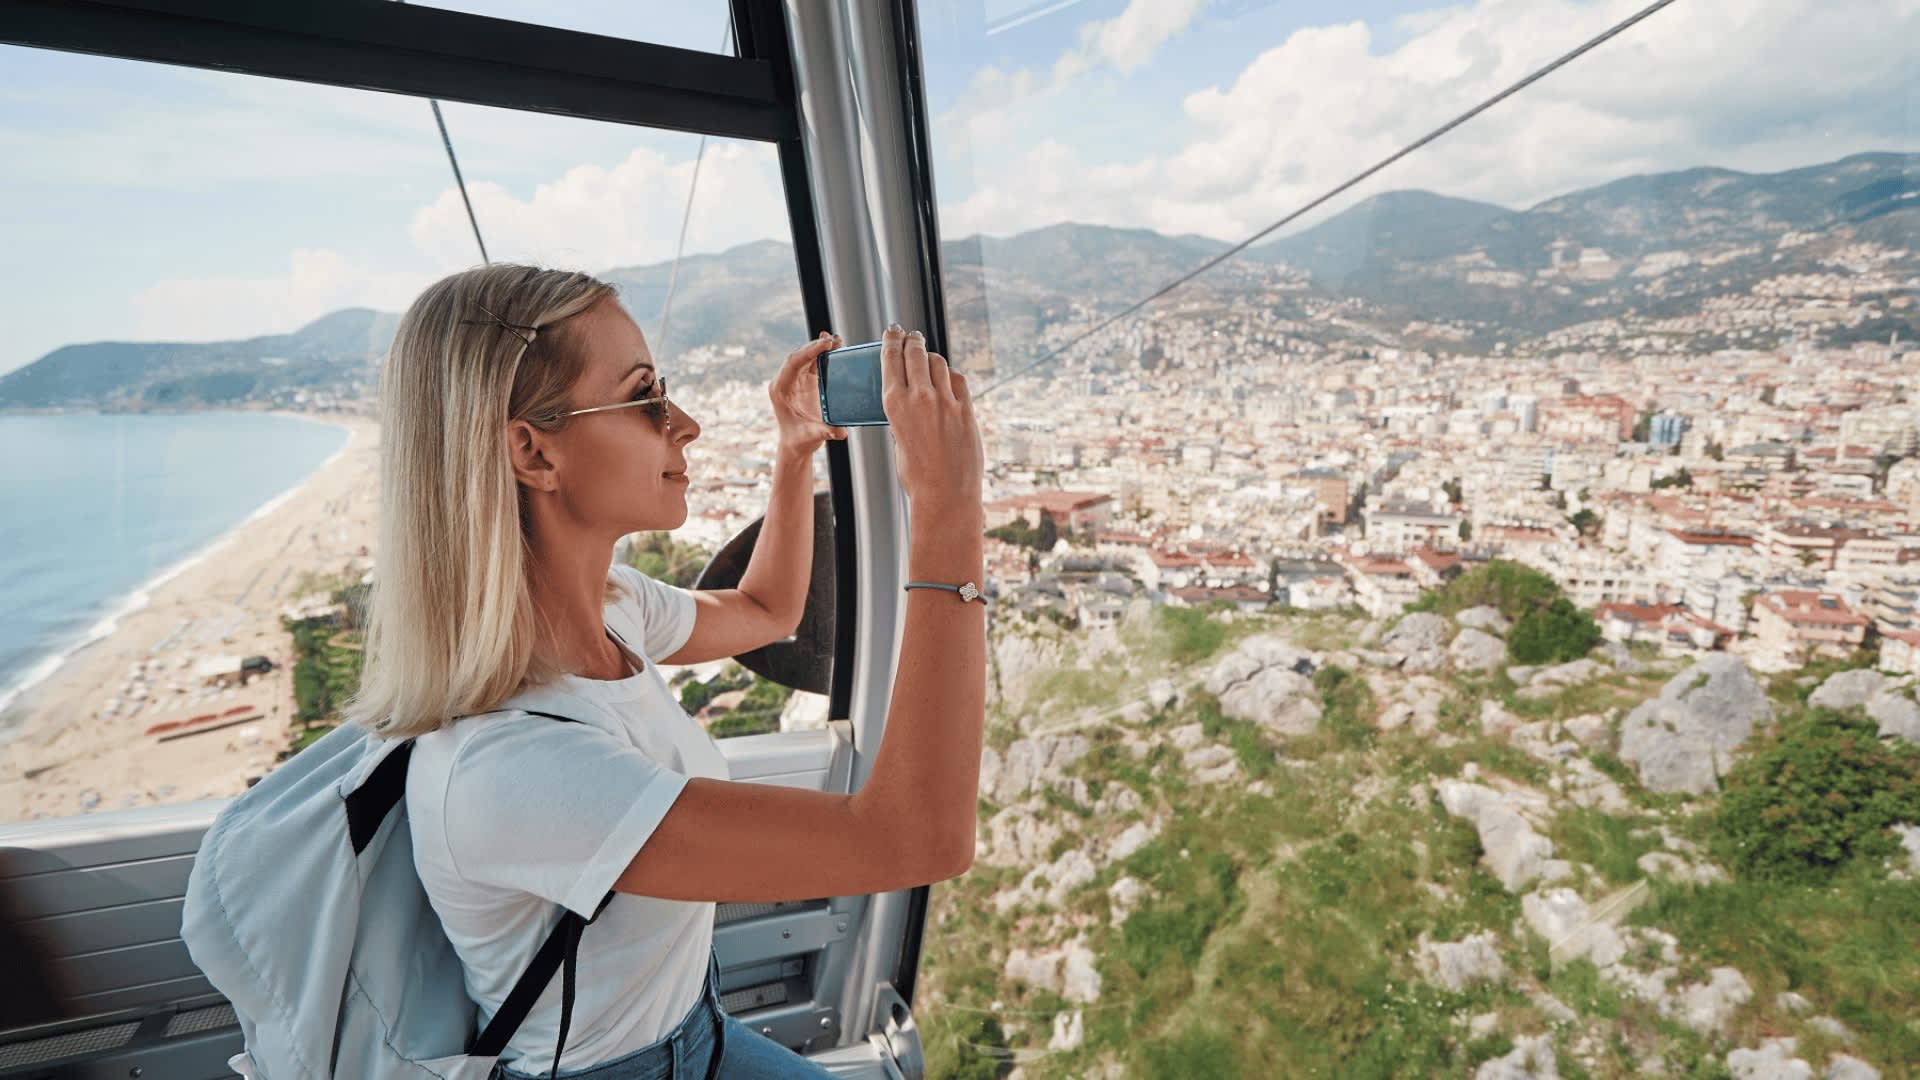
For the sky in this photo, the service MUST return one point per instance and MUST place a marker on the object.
(145, 202)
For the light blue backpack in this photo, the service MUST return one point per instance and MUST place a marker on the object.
(304, 909)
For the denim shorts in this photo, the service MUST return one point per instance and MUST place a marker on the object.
(707, 1044)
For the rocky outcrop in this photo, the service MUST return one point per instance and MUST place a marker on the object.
(1417, 642)
(1685, 739)
(1888, 700)
(1530, 1059)
(1266, 681)
(1707, 1007)
(1030, 765)
(1485, 617)
(1475, 650)
(1773, 1060)
(1512, 850)
(1570, 928)
(1455, 965)
(1067, 970)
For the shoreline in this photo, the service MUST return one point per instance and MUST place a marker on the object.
(141, 595)
(73, 728)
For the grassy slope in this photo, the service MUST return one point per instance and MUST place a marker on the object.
(1279, 935)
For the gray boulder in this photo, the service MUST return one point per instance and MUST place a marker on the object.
(1530, 1059)
(1279, 699)
(1030, 765)
(1846, 689)
(1420, 630)
(1848, 1067)
(1485, 617)
(1685, 739)
(1773, 1060)
(1896, 713)
(1617, 654)
(1475, 650)
(1513, 852)
(1161, 693)
(1455, 965)
(1707, 1007)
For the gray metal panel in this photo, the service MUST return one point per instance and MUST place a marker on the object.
(93, 887)
(134, 965)
(106, 928)
(142, 995)
(854, 129)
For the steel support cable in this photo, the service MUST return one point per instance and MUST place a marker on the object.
(1236, 249)
(447, 141)
(458, 180)
(686, 218)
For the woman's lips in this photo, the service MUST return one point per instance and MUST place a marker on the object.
(680, 475)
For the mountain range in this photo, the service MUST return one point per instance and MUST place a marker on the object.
(1655, 245)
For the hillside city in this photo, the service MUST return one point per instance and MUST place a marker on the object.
(1760, 498)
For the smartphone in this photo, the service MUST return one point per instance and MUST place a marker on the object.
(850, 386)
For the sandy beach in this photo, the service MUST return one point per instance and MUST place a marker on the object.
(76, 741)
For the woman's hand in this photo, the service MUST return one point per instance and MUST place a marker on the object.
(795, 393)
(937, 441)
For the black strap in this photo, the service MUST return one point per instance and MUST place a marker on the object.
(560, 951)
(369, 804)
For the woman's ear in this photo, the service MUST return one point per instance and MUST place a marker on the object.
(527, 449)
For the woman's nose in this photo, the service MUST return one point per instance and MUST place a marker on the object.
(684, 427)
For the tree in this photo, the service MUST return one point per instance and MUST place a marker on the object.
(1586, 522)
(1452, 488)
(1643, 427)
(1716, 451)
(1557, 634)
(1048, 534)
(1466, 529)
(1816, 797)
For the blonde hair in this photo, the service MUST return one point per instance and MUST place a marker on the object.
(451, 621)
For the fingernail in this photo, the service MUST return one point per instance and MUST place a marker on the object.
(893, 328)
(916, 333)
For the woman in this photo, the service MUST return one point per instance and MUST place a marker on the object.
(525, 429)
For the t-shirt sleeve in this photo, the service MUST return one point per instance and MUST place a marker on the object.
(665, 613)
(553, 809)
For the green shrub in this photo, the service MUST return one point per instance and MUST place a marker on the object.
(1512, 587)
(1814, 798)
(1555, 634)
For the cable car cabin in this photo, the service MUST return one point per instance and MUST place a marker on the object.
(108, 988)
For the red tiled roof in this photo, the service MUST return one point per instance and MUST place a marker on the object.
(1803, 606)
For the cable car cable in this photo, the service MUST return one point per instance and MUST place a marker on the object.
(459, 181)
(1236, 249)
(686, 217)
(447, 141)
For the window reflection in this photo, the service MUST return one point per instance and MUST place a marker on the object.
(1459, 490)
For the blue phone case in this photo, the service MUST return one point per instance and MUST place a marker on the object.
(850, 386)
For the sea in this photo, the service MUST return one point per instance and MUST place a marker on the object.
(97, 509)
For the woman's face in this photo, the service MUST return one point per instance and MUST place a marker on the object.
(625, 468)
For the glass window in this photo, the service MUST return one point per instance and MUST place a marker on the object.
(701, 25)
(206, 275)
(1292, 562)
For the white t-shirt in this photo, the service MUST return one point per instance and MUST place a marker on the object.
(514, 815)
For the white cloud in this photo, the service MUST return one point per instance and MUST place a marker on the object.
(1753, 86)
(596, 218)
(226, 308)
(1128, 40)
(1125, 43)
